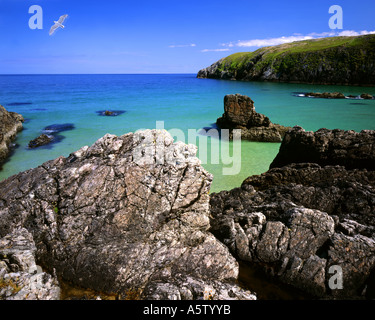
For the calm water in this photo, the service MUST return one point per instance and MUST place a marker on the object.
(181, 101)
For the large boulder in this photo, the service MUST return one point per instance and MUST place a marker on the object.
(239, 113)
(310, 225)
(128, 216)
(10, 125)
(292, 221)
(328, 147)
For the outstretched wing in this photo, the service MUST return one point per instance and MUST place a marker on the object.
(53, 28)
(62, 18)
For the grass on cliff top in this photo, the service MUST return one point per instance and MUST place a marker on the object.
(237, 60)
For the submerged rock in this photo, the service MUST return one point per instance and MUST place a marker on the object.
(239, 113)
(299, 220)
(58, 127)
(51, 135)
(16, 104)
(128, 214)
(10, 125)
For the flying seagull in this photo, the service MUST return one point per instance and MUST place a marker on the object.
(58, 24)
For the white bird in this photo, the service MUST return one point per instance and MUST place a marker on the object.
(58, 24)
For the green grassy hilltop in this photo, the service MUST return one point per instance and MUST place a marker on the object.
(333, 60)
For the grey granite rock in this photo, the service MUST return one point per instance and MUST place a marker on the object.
(20, 277)
(127, 214)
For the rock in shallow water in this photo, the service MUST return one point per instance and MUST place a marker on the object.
(50, 135)
(326, 95)
(127, 214)
(42, 140)
(239, 113)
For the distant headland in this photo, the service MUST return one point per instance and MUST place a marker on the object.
(332, 60)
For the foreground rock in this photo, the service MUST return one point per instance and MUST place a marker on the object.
(298, 221)
(302, 221)
(328, 147)
(10, 125)
(128, 216)
(20, 277)
(239, 113)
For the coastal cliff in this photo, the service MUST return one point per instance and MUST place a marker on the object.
(333, 60)
(10, 125)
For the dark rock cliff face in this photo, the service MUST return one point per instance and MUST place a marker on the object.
(128, 216)
(338, 60)
(301, 221)
(239, 113)
(10, 125)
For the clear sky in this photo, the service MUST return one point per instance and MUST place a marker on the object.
(160, 36)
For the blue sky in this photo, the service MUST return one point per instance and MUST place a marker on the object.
(160, 36)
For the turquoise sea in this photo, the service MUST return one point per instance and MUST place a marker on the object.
(180, 100)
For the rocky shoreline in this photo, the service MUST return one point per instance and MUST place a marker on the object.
(131, 217)
(10, 125)
(298, 220)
